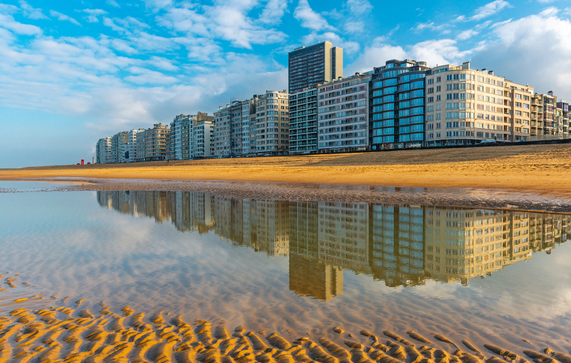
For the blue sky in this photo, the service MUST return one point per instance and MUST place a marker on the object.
(72, 72)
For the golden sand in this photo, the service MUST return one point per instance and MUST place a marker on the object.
(543, 169)
(58, 333)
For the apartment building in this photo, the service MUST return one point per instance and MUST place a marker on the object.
(119, 147)
(312, 65)
(465, 106)
(303, 121)
(272, 123)
(563, 118)
(103, 150)
(397, 104)
(549, 105)
(201, 137)
(536, 127)
(222, 127)
(179, 137)
(132, 146)
(249, 126)
(155, 143)
(343, 114)
(517, 109)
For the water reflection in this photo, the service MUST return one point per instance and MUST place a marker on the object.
(402, 245)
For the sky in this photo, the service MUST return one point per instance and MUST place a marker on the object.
(72, 72)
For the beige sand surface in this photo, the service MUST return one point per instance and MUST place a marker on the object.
(543, 169)
(54, 331)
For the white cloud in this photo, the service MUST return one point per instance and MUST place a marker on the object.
(8, 22)
(162, 63)
(433, 52)
(376, 56)
(359, 7)
(122, 46)
(273, 11)
(156, 5)
(349, 47)
(113, 3)
(490, 9)
(31, 12)
(146, 76)
(429, 26)
(440, 51)
(550, 11)
(354, 26)
(224, 21)
(93, 14)
(523, 55)
(230, 23)
(466, 34)
(8, 9)
(63, 17)
(309, 18)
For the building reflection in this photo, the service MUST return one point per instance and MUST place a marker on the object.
(401, 245)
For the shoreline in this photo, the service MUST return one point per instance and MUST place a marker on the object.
(512, 200)
(531, 177)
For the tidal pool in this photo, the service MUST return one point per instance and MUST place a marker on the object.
(299, 268)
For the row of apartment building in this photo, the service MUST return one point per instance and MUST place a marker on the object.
(402, 104)
(401, 245)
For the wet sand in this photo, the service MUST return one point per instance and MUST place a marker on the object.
(450, 197)
(46, 329)
(541, 169)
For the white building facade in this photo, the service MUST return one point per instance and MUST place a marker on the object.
(343, 114)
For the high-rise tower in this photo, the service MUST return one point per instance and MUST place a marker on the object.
(315, 64)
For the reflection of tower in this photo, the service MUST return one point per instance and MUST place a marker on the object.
(223, 216)
(397, 244)
(344, 235)
(182, 211)
(308, 276)
(237, 227)
(272, 227)
(203, 211)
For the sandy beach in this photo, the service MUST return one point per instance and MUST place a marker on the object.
(542, 169)
(43, 328)
(513, 177)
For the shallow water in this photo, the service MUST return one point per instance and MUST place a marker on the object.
(485, 275)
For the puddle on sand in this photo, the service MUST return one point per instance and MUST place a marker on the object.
(303, 267)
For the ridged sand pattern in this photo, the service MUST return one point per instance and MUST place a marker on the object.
(60, 334)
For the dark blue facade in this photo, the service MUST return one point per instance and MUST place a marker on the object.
(397, 105)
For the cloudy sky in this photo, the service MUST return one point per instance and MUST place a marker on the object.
(72, 72)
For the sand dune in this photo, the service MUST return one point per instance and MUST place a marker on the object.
(538, 168)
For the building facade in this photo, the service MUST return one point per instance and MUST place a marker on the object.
(272, 123)
(466, 106)
(103, 150)
(222, 128)
(303, 137)
(152, 143)
(201, 138)
(179, 137)
(397, 104)
(343, 114)
(312, 65)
